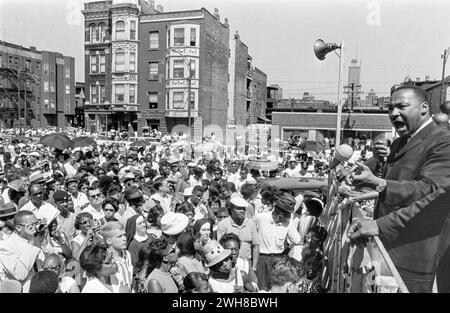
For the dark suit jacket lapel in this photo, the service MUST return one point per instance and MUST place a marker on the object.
(416, 140)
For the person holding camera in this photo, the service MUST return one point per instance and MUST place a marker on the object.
(20, 254)
(88, 234)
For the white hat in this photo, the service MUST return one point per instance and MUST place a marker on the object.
(173, 223)
(239, 202)
(188, 191)
(34, 154)
(214, 253)
(191, 164)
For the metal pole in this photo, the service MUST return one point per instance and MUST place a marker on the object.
(444, 60)
(189, 102)
(339, 104)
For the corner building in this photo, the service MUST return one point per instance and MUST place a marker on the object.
(183, 61)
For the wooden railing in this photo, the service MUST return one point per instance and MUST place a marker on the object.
(350, 269)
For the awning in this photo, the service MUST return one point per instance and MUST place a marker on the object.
(264, 119)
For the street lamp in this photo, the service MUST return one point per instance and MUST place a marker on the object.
(444, 58)
(321, 49)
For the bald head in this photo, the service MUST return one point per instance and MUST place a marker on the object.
(52, 260)
(441, 119)
(23, 216)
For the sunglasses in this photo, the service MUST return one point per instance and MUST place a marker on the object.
(96, 196)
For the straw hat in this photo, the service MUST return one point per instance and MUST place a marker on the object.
(214, 253)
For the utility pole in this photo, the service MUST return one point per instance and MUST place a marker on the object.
(444, 58)
(189, 80)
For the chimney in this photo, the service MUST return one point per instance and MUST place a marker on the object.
(427, 78)
(226, 23)
(216, 14)
(159, 8)
(236, 36)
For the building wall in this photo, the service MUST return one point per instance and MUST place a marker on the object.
(259, 95)
(240, 82)
(213, 100)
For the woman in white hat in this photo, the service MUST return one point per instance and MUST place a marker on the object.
(223, 277)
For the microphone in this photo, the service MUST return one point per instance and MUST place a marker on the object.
(342, 154)
(382, 162)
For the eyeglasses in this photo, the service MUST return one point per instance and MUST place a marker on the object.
(53, 268)
(31, 225)
(85, 222)
(96, 196)
(37, 193)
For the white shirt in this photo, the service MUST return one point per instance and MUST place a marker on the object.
(17, 258)
(164, 201)
(98, 216)
(94, 285)
(46, 210)
(272, 236)
(70, 169)
(79, 201)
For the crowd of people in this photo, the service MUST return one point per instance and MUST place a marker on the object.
(112, 218)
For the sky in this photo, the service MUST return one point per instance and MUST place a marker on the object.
(392, 38)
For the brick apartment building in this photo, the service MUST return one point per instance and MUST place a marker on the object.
(170, 44)
(49, 80)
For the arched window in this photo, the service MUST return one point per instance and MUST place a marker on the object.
(120, 60)
(94, 33)
(102, 30)
(120, 30)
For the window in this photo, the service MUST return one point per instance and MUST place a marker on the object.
(52, 105)
(102, 94)
(46, 102)
(67, 72)
(178, 102)
(38, 66)
(120, 61)
(132, 94)
(67, 90)
(46, 68)
(102, 63)
(192, 68)
(93, 64)
(178, 37)
(178, 69)
(94, 33)
(102, 29)
(152, 100)
(16, 61)
(52, 87)
(193, 40)
(153, 40)
(94, 95)
(28, 65)
(119, 92)
(132, 62)
(192, 100)
(1, 61)
(45, 86)
(133, 30)
(153, 70)
(120, 30)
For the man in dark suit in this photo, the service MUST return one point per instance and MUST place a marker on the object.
(414, 192)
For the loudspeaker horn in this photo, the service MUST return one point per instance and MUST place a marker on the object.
(321, 48)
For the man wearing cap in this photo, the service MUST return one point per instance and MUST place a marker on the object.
(80, 200)
(7, 213)
(33, 157)
(66, 219)
(243, 227)
(274, 228)
(135, 201)
(129, 168)
(37, 205)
